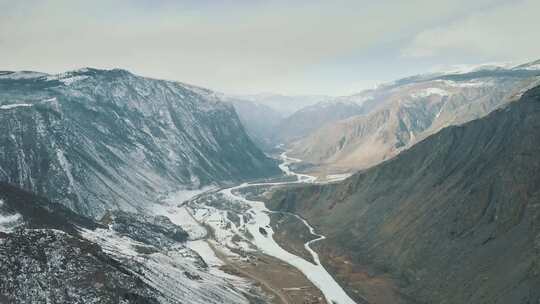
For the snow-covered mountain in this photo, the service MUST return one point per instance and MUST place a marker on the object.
(259, 120)
(49, 254)
(397, 115)
(107, 139)
(313, 117)
(453, 219)
(283, 104)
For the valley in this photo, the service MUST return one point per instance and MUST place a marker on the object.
(454, 219)
(162, 192)
(239, 230)
(270, 152)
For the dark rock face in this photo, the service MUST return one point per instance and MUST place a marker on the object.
(259, 120)
(311, 118)
(455, 219)
(43, 258)
(95, 140)
(39, 213)
(50, 266)
(49, 254)
(157, 231)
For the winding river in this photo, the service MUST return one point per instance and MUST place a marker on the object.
(316, 273)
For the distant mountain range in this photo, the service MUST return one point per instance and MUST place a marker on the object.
(393, 117)
(107, 139)
(260, 121)
(332, 134)
(444, 206)
(453, 219)
(283, 104)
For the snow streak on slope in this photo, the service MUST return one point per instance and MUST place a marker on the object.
(8, 221)
(15, 105)
(179, 273)
(114, 140)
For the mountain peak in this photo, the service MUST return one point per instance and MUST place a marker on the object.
(532, 65)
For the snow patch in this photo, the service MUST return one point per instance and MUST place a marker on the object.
(181, 215)
(67, 78)
(316, 273)
(429, 92)
(476, 83)
(204, 250)
(533, 67)
(50, 99)
(177, 273)
(10, 221)
(73, 79)
(15, 105)
(337, 177)
(254, 218)
(22, 75)
(180, 196)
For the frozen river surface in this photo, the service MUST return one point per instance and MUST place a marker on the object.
(316, 273)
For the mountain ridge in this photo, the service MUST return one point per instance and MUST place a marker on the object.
(454, 219)
(108, 139)
(402, 113)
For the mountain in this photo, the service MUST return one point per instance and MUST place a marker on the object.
(533, 65)
(95, 140)
(49, 254)
(453, 219)
(394, 117)
(283, 104)
(310, 118)
(260, 121)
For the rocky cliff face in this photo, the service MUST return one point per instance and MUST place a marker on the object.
(259, 120)
(49, 254)
(311, 118)
(395, 117)
(454, 219)
(107, 139)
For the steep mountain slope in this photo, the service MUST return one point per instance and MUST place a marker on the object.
(259, 120)
(283, 104)
(533, 65)
(100, 139)
(454, 219)
(310, 118)
(49, 254)
(400, 114)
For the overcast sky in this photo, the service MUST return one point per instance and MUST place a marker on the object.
(290, 47)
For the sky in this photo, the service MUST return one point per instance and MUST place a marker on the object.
(249, 47)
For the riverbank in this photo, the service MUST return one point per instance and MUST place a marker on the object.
(240, 230)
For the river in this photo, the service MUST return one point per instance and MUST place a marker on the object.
(252, 215)
(316, 273)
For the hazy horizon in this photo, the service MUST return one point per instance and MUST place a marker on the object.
(254, 47)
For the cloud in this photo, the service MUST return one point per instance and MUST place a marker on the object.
(506, 32)
(233, 46)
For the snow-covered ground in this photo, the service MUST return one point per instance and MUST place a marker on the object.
(15, 105)
(25, 105)
(240, 231)
(246, 233)
(180, 215)
(177, 272)
(428, 92)
(337, 177)
(21, 75)
(317, 274)
(8, 221)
